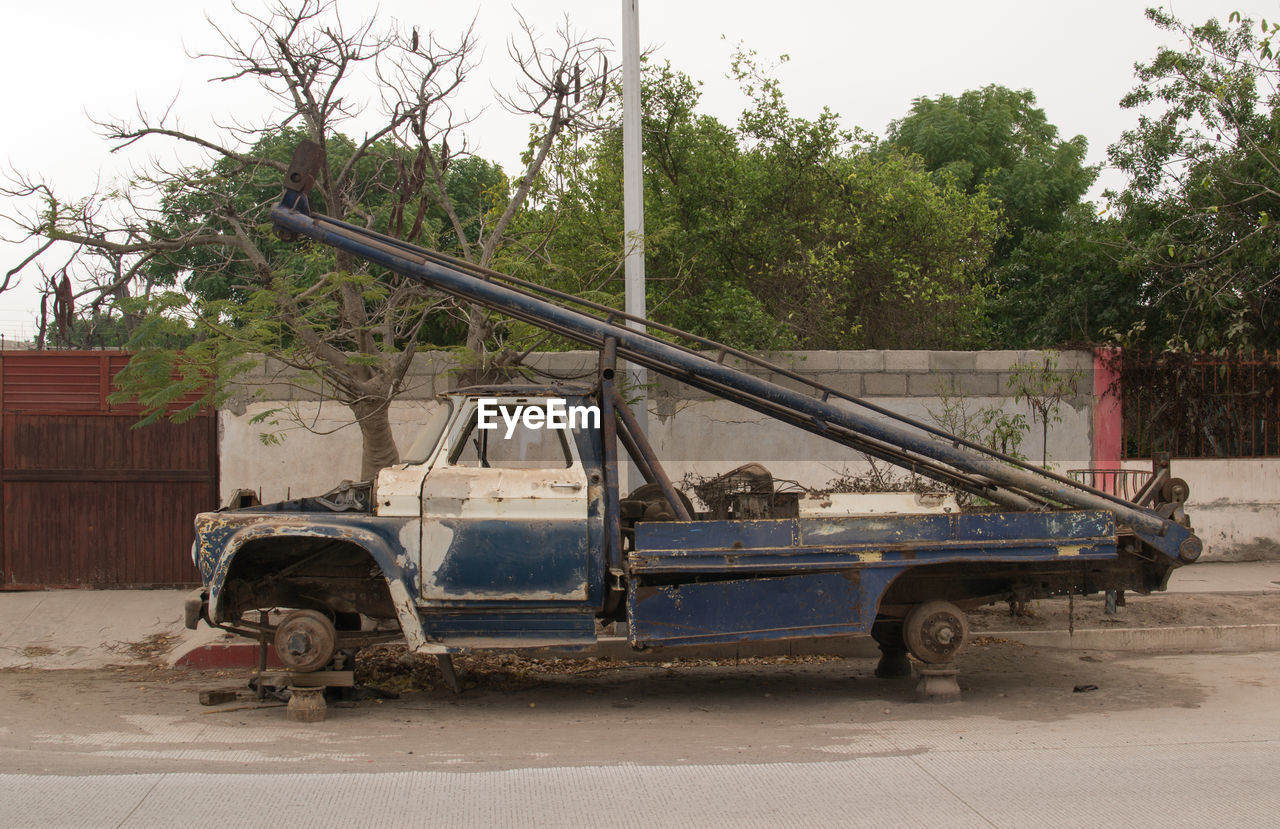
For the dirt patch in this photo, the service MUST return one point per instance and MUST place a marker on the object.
(1157, 610)
(1000, 678)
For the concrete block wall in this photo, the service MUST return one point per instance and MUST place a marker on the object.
(695, 433)
(692, 431)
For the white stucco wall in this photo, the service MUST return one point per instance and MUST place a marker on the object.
(708, 437)
(1234, 505)
(308, 460)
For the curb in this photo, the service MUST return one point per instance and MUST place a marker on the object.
(224, 657)
(1189, 639)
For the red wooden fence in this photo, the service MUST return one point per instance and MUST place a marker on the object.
(88, 500)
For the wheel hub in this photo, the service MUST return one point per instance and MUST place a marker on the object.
(305, 640)
(936, 631)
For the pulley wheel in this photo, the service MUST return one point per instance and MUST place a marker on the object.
(305, 640)
(656, 506)
(935, 631)
(1175, 491)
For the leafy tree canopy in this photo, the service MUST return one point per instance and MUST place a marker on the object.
(997, 138)
(780, 232)
(1204, 188)
(1066, 286)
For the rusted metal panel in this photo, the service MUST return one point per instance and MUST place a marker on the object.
(66, 381)
(103, 442)
(782, 607)
(814, 544)
(1227, 405)
(724, 581)
(89, 501)
(53, 381)
(507, 559)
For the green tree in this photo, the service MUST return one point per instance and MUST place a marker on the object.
(781, 232)
(1204, 187)
(998, 139)
(1067, 286)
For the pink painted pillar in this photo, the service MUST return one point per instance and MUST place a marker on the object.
(1108, 421)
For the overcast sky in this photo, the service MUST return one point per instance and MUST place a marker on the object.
(64, 62)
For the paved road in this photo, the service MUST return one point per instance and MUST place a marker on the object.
(1205, 784)
(1167, 741)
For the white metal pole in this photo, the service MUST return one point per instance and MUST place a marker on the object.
(633, 203)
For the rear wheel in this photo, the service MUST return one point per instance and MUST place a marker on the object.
(935, 631)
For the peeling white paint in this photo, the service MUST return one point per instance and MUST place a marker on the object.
(410, 534)
(470, 492)
(877, 503)
(436, 540)
(407, 613)
(399, 490)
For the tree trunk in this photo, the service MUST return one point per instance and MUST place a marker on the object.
(477, 331)
(379, 445)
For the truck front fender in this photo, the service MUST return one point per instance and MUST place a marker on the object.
(389, 542)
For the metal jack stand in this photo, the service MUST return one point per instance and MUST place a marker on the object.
(445, 661)
(262, 654)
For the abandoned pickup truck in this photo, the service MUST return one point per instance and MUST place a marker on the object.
(502, 538)
(498, 532)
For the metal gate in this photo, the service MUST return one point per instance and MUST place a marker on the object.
(88, 500)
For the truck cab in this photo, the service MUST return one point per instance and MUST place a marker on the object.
(489, 534)
(506, 489)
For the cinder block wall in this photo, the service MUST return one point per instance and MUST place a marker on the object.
(691, 430)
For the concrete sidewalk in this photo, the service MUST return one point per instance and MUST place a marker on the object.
(96, 628)
(1226, 577)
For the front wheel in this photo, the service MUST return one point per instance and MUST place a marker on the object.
(305, 640)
